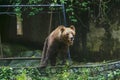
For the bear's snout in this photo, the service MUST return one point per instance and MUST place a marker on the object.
(72, 38)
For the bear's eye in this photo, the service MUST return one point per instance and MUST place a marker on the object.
(73, 34)
(67, 34)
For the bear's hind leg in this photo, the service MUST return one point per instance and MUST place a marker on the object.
(53, 60)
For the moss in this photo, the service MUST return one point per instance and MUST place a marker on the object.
(10, 50)
(95, 38)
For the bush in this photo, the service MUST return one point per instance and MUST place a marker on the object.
(65, 73)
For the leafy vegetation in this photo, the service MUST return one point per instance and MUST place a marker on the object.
(66, 73)
(73, 7)
(97, 9)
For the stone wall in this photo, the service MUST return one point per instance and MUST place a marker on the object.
(103, 41)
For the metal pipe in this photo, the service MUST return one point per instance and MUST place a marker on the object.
(7, 13)
(64, 15)
(21, 58)
(57, 5)
(1, 50)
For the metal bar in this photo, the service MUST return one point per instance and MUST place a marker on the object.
(59, 18)
(92, 65)
(7, 13)
(46, 5)
(64, 15)
(21, 58)
(15, 13)
(51, 16)
(1, 51)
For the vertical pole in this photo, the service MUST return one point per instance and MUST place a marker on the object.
(50, 26)
(59, 18)
(64, 14)
(1, 52)
(65, 23)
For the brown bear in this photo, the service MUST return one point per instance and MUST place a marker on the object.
(56, 43)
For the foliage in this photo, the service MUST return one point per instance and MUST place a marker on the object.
(6, 73)
(18, 9)
(66, 73)
(73, 7)
(97, 9)
(22, 76)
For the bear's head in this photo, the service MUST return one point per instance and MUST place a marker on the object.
(68, 34)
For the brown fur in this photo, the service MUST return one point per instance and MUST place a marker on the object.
(57, 43)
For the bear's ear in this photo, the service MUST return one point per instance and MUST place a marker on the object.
(62, 28)
(72, 27)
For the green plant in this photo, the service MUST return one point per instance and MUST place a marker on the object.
(6, 73)
(22, 76)
(65, 73)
